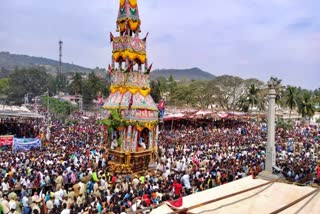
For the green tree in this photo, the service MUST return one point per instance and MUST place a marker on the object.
(316, 98)
(291, 98)
(254, 97)
(305, 105)
(228, 90)
(27, 80)
(92, 87)
(4, 90)
(4, 86)
(61, 109)
(172, 86)
(155, 90)
(183, 95)
(201, 93)
(163, 86)
(75, 87)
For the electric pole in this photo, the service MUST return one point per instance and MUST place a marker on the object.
(80, 103)
(60, 66)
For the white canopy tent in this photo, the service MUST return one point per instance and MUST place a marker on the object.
(17, 111)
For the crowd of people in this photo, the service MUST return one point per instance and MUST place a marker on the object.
(19, 128)
(70, 174)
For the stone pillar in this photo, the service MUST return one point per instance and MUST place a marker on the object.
(271, 153)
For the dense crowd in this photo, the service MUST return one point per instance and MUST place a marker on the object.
(70, 173)
(19, 128)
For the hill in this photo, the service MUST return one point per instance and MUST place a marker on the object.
(10, 61)
(182, 74)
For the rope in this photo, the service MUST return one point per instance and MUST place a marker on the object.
(221, 198)
(295, 201)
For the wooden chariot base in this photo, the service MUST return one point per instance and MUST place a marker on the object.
(130, 162)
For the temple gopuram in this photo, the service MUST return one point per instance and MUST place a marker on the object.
(131, 115)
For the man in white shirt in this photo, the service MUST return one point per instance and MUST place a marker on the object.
(25, 203)
(167, 173)
(186, 183)
(5, 185)
(49, 203)
(66, 209)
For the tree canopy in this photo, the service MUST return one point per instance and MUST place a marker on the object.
(34, 81)
(223, 92)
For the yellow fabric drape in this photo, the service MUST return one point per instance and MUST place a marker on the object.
(145, 92)
(122, 2)
(133, 3)
(149, 126)
(122, 90)
(122, 26)
(129, 54)
(146, 125)
(133, 24)
(133, 90)
(139, 128)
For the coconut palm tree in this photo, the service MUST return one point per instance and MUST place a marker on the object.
(291, 98)
(253, 98)
(76, 85)
(306, 106)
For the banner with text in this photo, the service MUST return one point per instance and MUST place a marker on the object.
(6, 140)
(25, 144)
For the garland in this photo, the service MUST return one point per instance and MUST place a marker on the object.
(116, 122)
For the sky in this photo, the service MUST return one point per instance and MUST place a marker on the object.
(246, 38)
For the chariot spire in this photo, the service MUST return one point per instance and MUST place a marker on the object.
(128, 21)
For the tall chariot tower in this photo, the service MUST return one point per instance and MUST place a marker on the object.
(131, 116)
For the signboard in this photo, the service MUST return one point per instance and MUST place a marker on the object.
(6, 140)
(25, 144)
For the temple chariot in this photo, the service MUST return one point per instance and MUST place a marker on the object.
(131, 115)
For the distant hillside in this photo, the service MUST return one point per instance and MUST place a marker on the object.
(11, 61)
(8, 62)
(182, 74)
